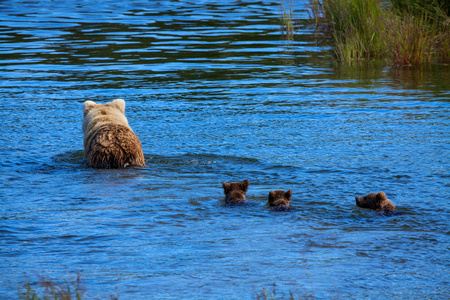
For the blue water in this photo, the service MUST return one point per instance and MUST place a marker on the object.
(215, 94)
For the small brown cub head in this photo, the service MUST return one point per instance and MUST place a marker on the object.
(280, 198)
(235, 191)
(375, 201)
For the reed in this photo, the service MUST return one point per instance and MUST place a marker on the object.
(352, 25)
(316, 13)
(408, 41)
(418, 31)
(286, 10)
(405, 32)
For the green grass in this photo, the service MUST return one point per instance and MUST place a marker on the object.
(404, 33)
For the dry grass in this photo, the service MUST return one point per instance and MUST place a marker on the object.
(408, 41)
(273, 294)
(44, 288)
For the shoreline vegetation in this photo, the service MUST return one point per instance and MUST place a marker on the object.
(273, 294)
(400, 32)
(45, 288)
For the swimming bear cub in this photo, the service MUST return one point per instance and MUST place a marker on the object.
(376, 201)
(235, 192)
(280, 199)
(109, 142)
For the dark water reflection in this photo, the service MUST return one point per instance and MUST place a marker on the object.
(215, 95)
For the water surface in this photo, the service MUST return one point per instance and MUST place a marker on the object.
(215, 95)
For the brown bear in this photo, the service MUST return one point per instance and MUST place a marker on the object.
(109, 142)
(235, 191)
(280, 199)
(376, 201)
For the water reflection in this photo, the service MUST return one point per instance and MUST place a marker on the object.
(168, 46)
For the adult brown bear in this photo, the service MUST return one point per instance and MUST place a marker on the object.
(109, 142)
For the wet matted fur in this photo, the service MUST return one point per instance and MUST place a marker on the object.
(109, 142)
(375, 201)
(280, 198)
(235, 192)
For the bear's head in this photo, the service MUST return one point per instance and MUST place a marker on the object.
(280, 198)
(235, 191)
(376, 201)
(116, 104)
(96, 114)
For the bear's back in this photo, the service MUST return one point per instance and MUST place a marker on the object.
(114, 146)
(109, 142)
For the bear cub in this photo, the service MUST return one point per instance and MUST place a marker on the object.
(235, 192)
(376, 201)
(109, 142)
(280, 200)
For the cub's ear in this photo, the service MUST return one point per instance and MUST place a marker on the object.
(245, 184)
(380, 197)
(289, 194)
(226, 186)
(120, 104)
(87, 106)
(271, 195)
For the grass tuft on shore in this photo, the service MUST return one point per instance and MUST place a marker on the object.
(408, 32)
(274, 294)
(45, 288)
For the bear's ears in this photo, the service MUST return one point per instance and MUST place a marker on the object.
(380, 196)
(226, 185)
(289, 194)
(244, 185)
(120, 104)
(87, 106)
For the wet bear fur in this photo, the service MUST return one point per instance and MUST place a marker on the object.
(376, 201)
(280, 200)
(235, 192)
(109, 142)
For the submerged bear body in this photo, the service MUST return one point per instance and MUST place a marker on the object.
(109, 142)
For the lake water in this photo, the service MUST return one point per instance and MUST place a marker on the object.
(215, 94)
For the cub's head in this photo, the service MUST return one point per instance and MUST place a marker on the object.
(235, 191)
(280, 198)
(376, 201)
